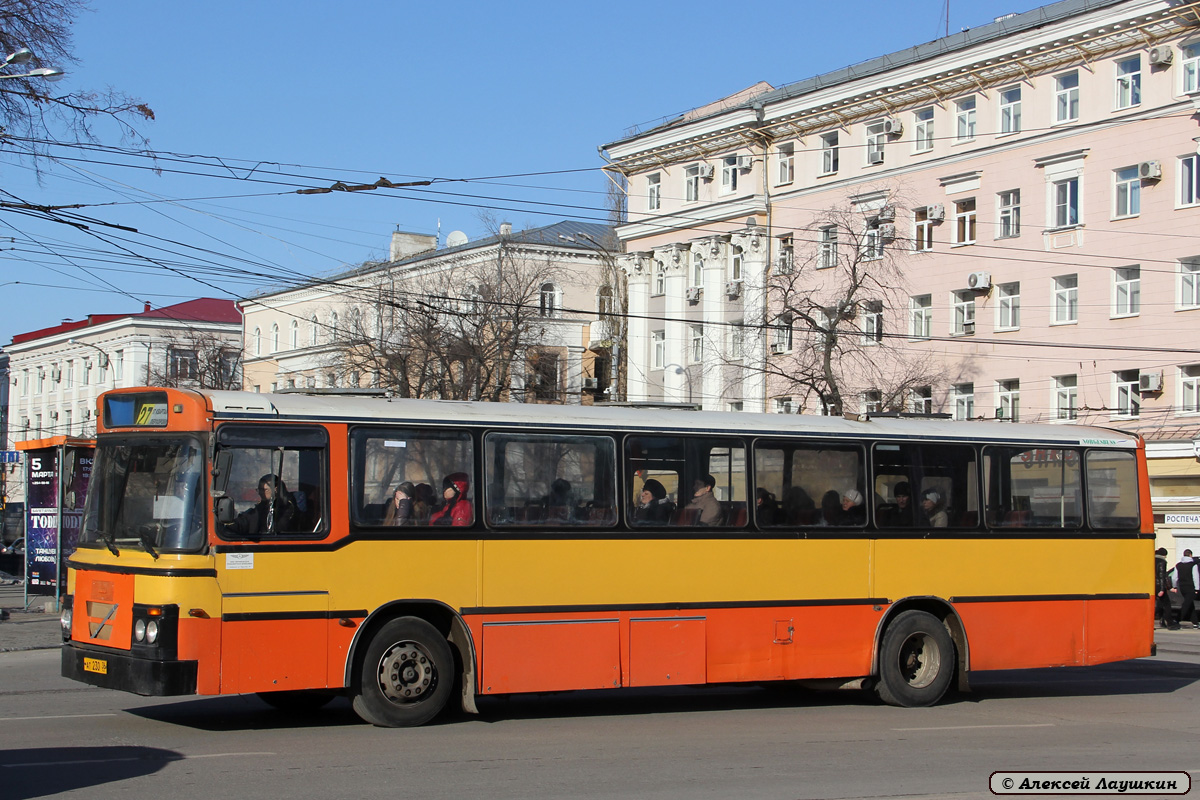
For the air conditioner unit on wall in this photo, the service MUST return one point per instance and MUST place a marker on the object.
(887, 232)
(1150, 171)
(591, 383)
(1150, 382)
(778, 347)
(1161, 56)
(886, 214)
(733, 289)
(745, 162)
(893, 126)
(979, 280)
(935, 213)
(693, 294)
(707, 171)
(875, 157)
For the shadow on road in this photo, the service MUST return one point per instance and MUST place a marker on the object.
(47, 771)
(247, 712)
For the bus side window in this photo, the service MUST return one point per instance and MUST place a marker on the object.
(686, 482)
(1112, 490)
(550, 480)
(925, 486)
(402, 477)
(1033, 487)
(806, 485)
(276, 478)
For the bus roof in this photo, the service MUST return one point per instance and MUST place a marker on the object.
(297, 407)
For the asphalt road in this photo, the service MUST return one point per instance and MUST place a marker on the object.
(60, 738)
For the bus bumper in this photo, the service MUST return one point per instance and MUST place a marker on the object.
(113, 670)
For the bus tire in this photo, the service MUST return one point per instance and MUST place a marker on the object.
(407, 675)
(298, 702)
(916, 660)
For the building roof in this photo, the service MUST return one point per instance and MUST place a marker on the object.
(1001, 28)
(204, 309)
(558, 234)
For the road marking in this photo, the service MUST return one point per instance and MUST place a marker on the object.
(60, 716)
(179, 757)
(977, 727)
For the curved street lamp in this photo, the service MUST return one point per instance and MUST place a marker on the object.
(25, 55)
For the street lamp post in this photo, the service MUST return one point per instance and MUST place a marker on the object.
(23, 56)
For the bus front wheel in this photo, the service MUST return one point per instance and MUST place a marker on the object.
(916, 660)
(407, 675)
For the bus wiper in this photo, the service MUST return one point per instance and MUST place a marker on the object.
(110, 542)
(146, 537)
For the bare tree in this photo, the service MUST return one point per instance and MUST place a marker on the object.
(198, 359)
(467, 330)
(29, 109)
(836, 287)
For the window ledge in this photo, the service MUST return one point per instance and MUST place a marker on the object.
(958, 142)
(1125, 316)
(827, 174)
(1008, 134)
(961, 244)
(1188, 308)
(1010, 236)
(1006, 330)
(1065, 228)
(1124, 216)
(1054, 323)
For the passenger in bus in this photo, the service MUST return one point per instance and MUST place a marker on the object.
(560, 503)
(400, 510)
(766, 509)
(655, 507)
(900, 513)
(831, 508)
(798, 507)
(456, 508)
(271, 514)
(423, 504)
(934, 509)
(710, 509)
(853, 510)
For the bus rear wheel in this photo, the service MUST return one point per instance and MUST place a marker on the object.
(916, 660)
(407, 675)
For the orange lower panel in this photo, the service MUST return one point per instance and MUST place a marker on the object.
(200, 641)
(274, 655)
(550, 655)
(1055, 633)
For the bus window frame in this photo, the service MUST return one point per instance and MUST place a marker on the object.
(257, 437)
(927, 531)
(1084, 526)
(1087, 493)
(808, 530)
(627, 474)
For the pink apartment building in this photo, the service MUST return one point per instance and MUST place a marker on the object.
(1004, 223)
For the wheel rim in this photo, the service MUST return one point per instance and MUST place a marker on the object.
(407, 673)
(920, 660)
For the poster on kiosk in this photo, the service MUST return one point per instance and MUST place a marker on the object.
(56, 478)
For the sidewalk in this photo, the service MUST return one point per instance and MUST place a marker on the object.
(26, 630)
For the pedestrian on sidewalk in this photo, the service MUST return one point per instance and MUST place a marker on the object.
(1162, 590)
(1187, 575)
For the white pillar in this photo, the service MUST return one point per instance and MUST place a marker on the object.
(755, 274)
(638, 268)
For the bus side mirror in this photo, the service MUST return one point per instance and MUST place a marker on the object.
(225, 512)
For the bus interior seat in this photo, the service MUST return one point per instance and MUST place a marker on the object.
(687, 517)
(737, 515)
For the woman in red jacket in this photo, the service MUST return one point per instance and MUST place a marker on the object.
(456, 508)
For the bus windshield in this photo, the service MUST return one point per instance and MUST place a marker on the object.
(148, 494)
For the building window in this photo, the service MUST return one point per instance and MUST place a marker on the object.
(922, 229)
(1066, 299)
(295, 335)
(119, 362)
(1065, 396)
(1066, 97)
(787, 256)
(312, 330)
(691, 183)
(1129, 82)
(1127, 400)
(920, 316)
(1010, 110)
(1190, 67)
(735, 263)
(1009, 214)
(697, 269)
(330, 381)
(275, 337)
(1008, 400)
(872, 401)
(1189, 283)
(964, 119)
(70, 374)
(654, 192)
(924, 130)
(964, 400)
(182, 364)
(1066, 202)
(228, 363)
(1127, 291)
(1189, 180)
(257, 341)
(872, 322)
(963, 306)
(87, 372)
(784, 405)
(729, 174)
(875, 141)
(1189, 389)
(658, 341)
(829, 247)
(697, 350)
(737, 339)
(334, 330)
(660, 278)
(964, 221)
(1127, 192)
(781, 334)
(550, 300)
(920, 400)
(25, 382)
(787, 163)
(829, 153)
(871, 246)
(1008, 310)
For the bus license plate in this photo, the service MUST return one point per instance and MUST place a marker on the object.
(97, 665)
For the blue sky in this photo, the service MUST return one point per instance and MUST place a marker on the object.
(275, 96)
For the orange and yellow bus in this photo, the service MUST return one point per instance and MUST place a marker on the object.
(405, 552)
